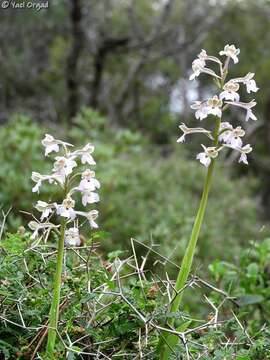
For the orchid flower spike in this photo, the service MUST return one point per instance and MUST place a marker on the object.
(224, 135)
(63, 174)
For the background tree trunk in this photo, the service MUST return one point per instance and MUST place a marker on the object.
(73, 58)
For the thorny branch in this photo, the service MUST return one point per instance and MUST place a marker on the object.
(120, 272)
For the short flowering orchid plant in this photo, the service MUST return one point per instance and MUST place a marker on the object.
(222, 136)
(64, 176)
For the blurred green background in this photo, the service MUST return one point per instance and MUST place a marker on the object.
(115, 73)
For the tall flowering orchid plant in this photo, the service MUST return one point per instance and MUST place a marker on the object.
(222, 136)
(63, 175)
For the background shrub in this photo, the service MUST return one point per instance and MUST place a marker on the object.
(146, 193)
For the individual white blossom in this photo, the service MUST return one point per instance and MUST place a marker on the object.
(72, 237)
(38, 179)
(85, 154)
(45, 209)
(224, 130)
(204, 108)
(244, 150)
(201, 109)
(230, 91)
(51, 144)
(247, 106)
(90, 216)
(235, 137)
(89, 197)
(231, 52)
(231, 136)
(64, 166)
(208, 154)
(36, 227)
(214, 106)
(66, 209)
(248, 81)
(186, 131)
(89, 182)
(198, 67)
(203, 56)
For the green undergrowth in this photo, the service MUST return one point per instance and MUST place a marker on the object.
(109, 308)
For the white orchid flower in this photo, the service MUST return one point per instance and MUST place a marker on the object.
(201, 109)
(198, 67)
(72, 237)
(64, 166)
(230, 91)
(90, 216)
(89, 197)
(51, 144)
(45, 209)
(203, 56)
(244, 150)
(231, 52)
(208, 154)
(248, 81)
(66, 209)
(38, 179)
(214, 106)
(85, 154)
(231, 136)
(247, 107)
(225, 129)
(186, 131)
(36, 227)
(89, 182)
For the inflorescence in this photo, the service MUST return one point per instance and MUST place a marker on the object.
(63, 175)
(228, 136)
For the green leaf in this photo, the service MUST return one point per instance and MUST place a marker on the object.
(252, 270)
(250, 299)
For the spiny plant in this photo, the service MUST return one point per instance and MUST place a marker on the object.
(67, 230)
(223, 135)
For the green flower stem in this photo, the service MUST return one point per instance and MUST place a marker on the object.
(167, 340)
(54, 311)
